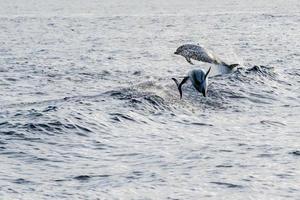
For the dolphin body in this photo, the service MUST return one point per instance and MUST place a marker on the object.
(196, 52)
(198, 78)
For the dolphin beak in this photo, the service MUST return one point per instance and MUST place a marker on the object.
(176, 52)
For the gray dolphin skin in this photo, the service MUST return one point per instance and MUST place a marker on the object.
(196, 52)
(198, 78)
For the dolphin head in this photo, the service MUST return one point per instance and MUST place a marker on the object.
(179, 50)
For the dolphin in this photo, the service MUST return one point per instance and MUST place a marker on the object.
(199, 79)
(196, 52)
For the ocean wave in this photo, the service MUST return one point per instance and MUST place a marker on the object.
(229, 91)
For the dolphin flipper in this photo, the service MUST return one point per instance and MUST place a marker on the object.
(207, 73)
(179, 85)
(189, 60)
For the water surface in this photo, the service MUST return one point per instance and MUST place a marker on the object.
(88, 109)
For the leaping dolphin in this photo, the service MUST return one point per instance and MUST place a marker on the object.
(198, 78)
(196, 52)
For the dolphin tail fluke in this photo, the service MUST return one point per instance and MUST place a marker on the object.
(233, 66)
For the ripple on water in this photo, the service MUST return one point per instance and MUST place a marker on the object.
(56, 127)
(87, 177)
(201, 124)
(224, 166)
(228, 185)
(272, 123)
(143, 100)
(119, 116)
(22, 181)
(295, 153)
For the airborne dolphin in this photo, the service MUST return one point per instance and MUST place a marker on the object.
(196, 52)
(198, 78)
